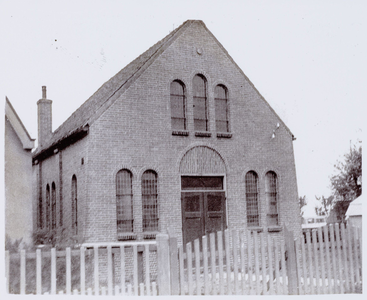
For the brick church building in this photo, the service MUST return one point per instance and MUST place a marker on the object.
(178, 141)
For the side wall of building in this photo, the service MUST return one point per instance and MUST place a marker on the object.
(18, 187)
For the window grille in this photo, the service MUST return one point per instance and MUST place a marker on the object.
(47, 207)
(252, 204)
(40, 213)
(271, 198)
(53, 206)
(221, 109)
(74, 205)
(150, 201)
(178, 106)
(124, 203)
(200, 103)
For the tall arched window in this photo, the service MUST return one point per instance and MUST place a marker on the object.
(221, 108)
(47, 207)
(124, 201)
(74, 205)
(200, 103)
(178, 106)
(150, 200)
(252, 203)
(271, 198)
(53, 205)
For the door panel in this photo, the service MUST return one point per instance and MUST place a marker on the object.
(192, 216)
(215, 212)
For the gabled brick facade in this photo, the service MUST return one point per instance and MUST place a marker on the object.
(126, 124)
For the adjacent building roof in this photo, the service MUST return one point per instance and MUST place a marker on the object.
(114, 87)
(19, 128)
(355, 207)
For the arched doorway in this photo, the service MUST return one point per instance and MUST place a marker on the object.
(203, 201)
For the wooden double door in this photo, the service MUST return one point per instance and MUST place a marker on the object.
(203, 212)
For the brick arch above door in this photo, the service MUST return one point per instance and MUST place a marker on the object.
(202, 160)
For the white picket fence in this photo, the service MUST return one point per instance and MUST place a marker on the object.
(103, 258)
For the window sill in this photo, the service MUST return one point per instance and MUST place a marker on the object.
(225, 135)
(149, 235)
(274, 228)
(126, 236)
(203, 134)
(256, 228)
(180, 132)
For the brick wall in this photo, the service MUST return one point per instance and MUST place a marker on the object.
(135, 133)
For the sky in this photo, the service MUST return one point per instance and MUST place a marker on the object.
(306, 58)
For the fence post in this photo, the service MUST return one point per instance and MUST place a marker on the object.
(163, 264)
(291, 262)
(173, 252)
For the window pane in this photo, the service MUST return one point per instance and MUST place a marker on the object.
(53, 206)
(124, 201)
(200, 108)
(149, 199)
(48, 207)
(271, 197)
(177, 88)
(74, 204)
(200, 125)
(177, 106)
(199, 89)
(220, 109)
(221, 126)
(220, 92)
(252, 199)
(178, 124)
(201, 183)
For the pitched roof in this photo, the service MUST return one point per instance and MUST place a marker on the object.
(104, 97)
(110, 90)
(355, 207)
(16, 123)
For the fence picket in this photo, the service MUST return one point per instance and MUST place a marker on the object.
(317, 275)
(7, 264)
(284, 274)
(154, 288)
(271, 270)
(355, 243)
(22, 272)
(298, 267)
(228, 261)
(249, 261)
(276, 267)
(322, 260)
(263, 263)
(68, 271)
(304, 266)
(220, 261)
(53, 271)
(310, 263)
(96, 271)
(242, 258)
(117, 290)
(256, 259)
(182, 270)
(141, 289)
(39, 271)
(82, 270)
(135, 268)
(327, 262)
(147, 269)
(122, 271)
(344, 248)
(339, 254)
(334, 258)
(349, 235)
(235, 260)
(205, 264)
(189, 267)
(197, 266)
(212, 265)
(109, 270)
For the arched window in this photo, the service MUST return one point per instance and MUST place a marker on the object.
(252, 203)
(53, 205)
(221, 108)
(150, 200)
(200, 103)
(124, 201)
(271, 197)
(47, 208)
(178, 106)
(74, 205)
